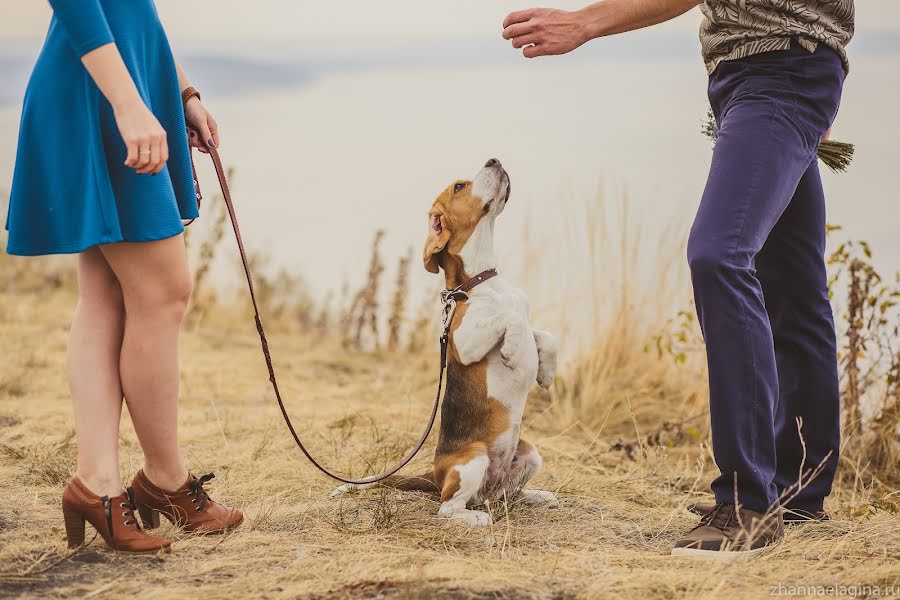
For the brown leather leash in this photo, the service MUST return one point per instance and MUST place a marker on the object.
(449, 298)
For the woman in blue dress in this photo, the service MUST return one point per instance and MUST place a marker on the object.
(103, 171)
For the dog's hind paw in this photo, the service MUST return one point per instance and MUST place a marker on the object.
(472, 518)
(349, 488)
(540, 497)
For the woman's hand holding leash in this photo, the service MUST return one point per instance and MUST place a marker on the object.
(203, 131)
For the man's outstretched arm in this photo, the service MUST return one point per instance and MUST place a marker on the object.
(545, 31)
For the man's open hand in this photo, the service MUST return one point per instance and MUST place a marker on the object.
(545, 31)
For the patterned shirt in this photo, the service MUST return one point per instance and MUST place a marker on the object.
(738, 28)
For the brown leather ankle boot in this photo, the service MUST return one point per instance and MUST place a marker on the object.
(189, 507)
(113, 518)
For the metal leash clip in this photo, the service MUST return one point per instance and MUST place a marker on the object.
(454, 295)
(449, 298)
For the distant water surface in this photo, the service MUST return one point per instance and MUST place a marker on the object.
(326, 153)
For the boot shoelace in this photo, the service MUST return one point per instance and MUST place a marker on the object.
(127, 514)
(719, 517)
(198, 494)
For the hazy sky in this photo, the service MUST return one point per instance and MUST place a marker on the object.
(217, 21)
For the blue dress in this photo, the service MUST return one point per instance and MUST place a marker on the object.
(71, 189)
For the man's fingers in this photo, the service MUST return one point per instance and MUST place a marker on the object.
(518, 30)
(518, 17)
(526, 40)
(535, 50)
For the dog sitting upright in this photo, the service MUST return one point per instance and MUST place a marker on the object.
(493, 359)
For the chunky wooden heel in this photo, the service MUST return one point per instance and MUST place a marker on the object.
(74, 527)
(149, 517)
(114, 518)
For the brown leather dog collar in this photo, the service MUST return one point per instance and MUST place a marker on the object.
(461, 292)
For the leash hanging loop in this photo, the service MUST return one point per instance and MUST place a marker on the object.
(449, 297)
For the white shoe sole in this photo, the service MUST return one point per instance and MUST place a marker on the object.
(719, 556)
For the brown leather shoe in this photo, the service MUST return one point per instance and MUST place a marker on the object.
(113, 518)
(730, 532)
(189, 507)
(792, 516)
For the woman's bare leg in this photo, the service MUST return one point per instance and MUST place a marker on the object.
(95, 342)
(156, 285)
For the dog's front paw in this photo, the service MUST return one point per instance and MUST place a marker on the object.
(546, 375)
(507, 357)
(512, 342)
(547, 348)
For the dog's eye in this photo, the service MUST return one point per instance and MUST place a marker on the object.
(459, 187)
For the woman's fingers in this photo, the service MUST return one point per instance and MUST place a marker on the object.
(155, 157)
(163, 154)
(194, 139)
(145, 139)
(144, 151)
(214, 131)
(153, 153)
(160, 156)
(131, 159)
(152, 158)
(207, 136)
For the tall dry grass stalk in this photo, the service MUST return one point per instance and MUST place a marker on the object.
(359, 327)
(423, 331)
(398, 302)
(869, 358)
(605, 297)
(282, 294)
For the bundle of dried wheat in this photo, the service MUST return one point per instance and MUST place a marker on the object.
(837, 156)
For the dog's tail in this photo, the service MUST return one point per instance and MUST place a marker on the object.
(413, 483)
(405, 483)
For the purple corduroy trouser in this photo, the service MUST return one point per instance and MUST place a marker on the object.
(756, 254)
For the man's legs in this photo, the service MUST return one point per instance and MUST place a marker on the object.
(757, 163)
(791, 269)
(772, 111)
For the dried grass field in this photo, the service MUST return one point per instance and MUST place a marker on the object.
(623, 434)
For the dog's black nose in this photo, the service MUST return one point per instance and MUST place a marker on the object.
(492, 163)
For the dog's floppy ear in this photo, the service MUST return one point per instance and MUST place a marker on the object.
(438, 236)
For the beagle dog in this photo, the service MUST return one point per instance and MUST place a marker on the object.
(493, 359)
